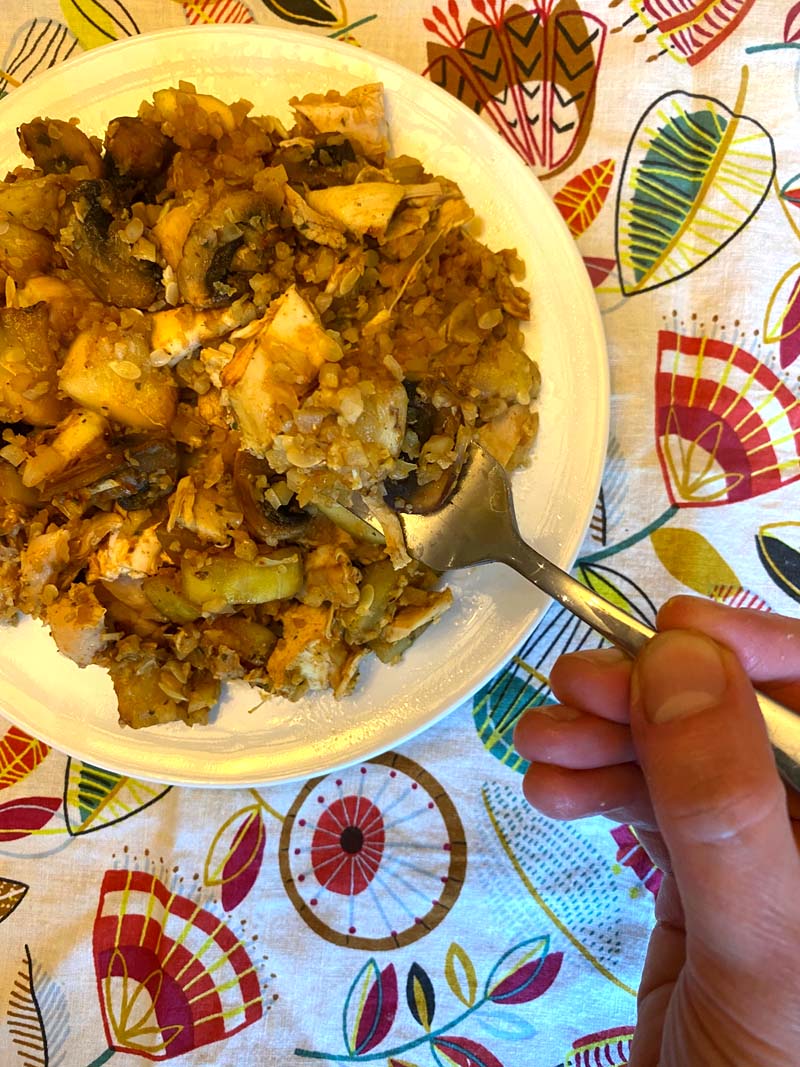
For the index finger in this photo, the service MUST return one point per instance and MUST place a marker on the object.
(597, 681)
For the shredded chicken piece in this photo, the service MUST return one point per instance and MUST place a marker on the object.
(307, 656)
(179, 331)
(77, 623)
(330, 578)
(40, 565)
(315, 225)
(359, 115)
(204, 509)
(392, 530)
(126, 554)
(269, 375)
(365, 208)
(411, 617)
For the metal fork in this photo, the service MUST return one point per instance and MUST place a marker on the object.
(476, 523)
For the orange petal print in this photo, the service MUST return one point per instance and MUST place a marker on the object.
(171, 976)
(581, 199)
(20, 754)
(727, 428)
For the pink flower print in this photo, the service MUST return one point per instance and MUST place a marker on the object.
(727, 428)
(170, 975)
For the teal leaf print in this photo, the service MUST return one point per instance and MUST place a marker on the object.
(94, 798)
(694, 175)
(523, 683)
(505, 1025)
(463, 1052)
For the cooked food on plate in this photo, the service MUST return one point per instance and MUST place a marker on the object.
(218, 337)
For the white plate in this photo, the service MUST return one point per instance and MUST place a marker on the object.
(75, 710)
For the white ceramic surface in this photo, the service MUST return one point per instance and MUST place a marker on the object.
(75, 710)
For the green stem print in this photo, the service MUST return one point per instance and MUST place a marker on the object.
(519, 976)
(104, 1057)
(634, 539)
(345, 30)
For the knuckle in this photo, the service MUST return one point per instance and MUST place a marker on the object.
(726, 807)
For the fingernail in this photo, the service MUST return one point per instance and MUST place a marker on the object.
(599, 657)
(678, 674)
(554, 711)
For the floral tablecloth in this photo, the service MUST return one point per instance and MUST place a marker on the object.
(446, 923)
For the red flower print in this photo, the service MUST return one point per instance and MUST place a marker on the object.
(727, 428)
(630, 853)
(609, 1047)
(170, 975)
(374, 856)
(347, 846)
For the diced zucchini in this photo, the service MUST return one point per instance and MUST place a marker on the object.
(222, 580)
(351, 524)
(163, 592)
(362, 624)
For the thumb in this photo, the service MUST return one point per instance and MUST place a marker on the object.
(720, 805)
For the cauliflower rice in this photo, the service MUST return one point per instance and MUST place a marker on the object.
(217, 335)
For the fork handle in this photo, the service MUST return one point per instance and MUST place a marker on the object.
(630, 635)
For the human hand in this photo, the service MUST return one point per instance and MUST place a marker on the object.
(675, 744)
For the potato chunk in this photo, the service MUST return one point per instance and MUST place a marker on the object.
(152, 689)
(28, 368)
(33, 202)
(23, 252)
(110, 372)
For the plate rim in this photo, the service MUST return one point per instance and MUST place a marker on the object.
(601, 392)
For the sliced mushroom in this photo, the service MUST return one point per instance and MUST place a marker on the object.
(267, 524)
(326, 159)
(90, 241)
(237, 218)
(57, 147)
(137, 473)
(428, 422)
